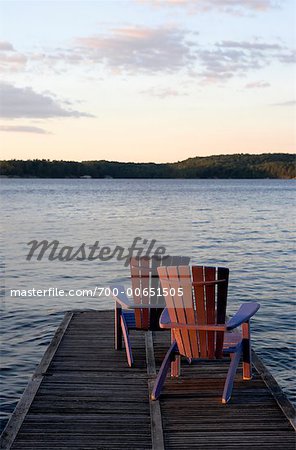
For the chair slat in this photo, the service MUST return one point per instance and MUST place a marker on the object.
(166, 284)
(179, 306)
(172, 282)
(136, 286)
(145, 290)
(199, 293)
(156, 300)
(163, 261)
(222, 273)
(155, 262)
(210, 275)
(188, 302)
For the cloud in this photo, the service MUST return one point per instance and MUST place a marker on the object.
(10, 59)
(18, 102)
(4, 45)
(142, 49)
(23, 129)
(245, 45)
(227, 59)
(162, 93)
(257, 84)
(220, 64)
(237, 7)
(287, 57)
(151, 50)
(287, 103)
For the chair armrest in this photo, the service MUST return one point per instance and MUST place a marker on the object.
(125, 301)
(245, 312)
(165, 322)
(164, 319)
(121, 296)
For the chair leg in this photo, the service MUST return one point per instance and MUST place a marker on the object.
(128, 348)
(176, 367)
(117, 327)
(230, 375)
(176, 361)
(247, 358)
(159, 382)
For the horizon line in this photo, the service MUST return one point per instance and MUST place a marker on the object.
(149, 162)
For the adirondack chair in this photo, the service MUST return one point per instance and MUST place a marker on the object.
(197, 320)
(143, 311)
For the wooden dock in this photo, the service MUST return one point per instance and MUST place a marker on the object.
(84, 396)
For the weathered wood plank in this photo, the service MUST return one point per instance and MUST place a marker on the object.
(155, 413)
(9, 433)
(281, 399)
(84, 396)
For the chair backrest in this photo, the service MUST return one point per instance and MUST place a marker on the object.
(201, 300)
(146, 287)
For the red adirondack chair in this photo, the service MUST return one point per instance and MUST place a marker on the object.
(197, 320)
(142, 312)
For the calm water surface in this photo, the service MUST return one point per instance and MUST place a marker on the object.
(247, 225)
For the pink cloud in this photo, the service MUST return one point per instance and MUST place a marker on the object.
(227, 6)
(257, 84)
(134, 48)
(10, 59)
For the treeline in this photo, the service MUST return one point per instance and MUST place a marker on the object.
(267, 165)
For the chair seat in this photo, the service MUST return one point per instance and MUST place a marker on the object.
(129, 318)
(231, 341)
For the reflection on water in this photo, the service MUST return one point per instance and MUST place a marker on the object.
(246, 225)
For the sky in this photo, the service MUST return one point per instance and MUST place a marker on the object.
(146, 80)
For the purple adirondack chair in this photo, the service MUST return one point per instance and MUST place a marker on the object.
(196, 316)
(143, 311)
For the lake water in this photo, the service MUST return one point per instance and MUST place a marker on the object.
(246, 225)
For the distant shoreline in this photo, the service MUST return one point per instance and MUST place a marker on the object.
(236, 166)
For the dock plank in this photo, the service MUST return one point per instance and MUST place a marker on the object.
(84, 396)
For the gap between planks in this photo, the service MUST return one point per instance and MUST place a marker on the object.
(155, 411)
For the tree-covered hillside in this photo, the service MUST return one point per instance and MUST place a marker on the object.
(267, 165)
